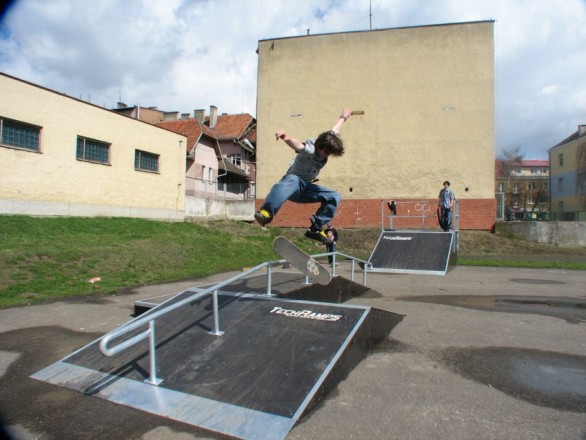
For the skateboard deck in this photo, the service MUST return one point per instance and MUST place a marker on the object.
(300, 260)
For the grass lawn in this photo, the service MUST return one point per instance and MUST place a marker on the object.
(52, 258)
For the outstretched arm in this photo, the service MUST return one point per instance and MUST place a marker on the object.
(295, 144)
(346, 113)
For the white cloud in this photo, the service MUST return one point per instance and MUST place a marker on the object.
(185, 54)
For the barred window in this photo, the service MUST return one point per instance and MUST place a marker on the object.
(144, 161)
(19, 135)
(92, 151)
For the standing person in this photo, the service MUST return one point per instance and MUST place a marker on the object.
(445, 207)
(298, 183)
(332, 234)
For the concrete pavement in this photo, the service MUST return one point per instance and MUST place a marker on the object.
(484, 353)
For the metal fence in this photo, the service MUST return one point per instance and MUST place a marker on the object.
(540, 214)
(573, 216)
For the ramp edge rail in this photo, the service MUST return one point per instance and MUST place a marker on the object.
(150, 319)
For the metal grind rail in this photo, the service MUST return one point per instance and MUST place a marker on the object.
(150, 319)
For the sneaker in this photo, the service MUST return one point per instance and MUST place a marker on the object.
(318, 236)
(263, 217)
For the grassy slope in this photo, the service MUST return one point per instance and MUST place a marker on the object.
(49, 258)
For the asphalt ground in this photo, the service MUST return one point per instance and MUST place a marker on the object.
(483, 353)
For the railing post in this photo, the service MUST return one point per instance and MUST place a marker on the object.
(153, 356)
(334, 264)
(216, 331)
(269, 280)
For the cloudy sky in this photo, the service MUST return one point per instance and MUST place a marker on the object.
(180, 55)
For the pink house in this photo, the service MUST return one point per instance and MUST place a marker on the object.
(220, 154)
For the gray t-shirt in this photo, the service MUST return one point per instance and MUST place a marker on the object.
(307, 164)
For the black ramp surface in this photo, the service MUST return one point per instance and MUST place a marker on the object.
(275, 361)
(412, 252)
(249, 367)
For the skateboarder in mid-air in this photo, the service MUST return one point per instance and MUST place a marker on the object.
(298, 184)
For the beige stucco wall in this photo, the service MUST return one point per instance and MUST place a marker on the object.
(428, 97)
(55, 178)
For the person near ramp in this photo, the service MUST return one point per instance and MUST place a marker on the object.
(445, 208)
(298, 184)
(332, 234)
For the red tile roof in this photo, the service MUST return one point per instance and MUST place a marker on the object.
(232, 126)
(534, 163)
(499, 171)
(187, 127)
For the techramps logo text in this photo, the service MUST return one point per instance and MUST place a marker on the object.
(306, 314)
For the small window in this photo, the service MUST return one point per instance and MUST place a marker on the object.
(236, 159)
(20, 135)
(144, 161)
(560, 184)
(561, 159)
(92, 151)
(531, 186)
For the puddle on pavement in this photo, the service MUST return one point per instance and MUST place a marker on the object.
(543, 378)
(573, 310)
(535, 281)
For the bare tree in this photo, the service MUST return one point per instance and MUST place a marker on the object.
(507, 161)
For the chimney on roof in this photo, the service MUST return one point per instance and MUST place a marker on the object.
(213, 116)
(581, 130)
(199, 114)
(170, 116)
(185, 115)
(121, 105)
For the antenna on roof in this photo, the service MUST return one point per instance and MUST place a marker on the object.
(370, 13)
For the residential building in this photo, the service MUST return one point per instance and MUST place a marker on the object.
(152, 115)
(568, 177)
(202, 154)
(220, 154)
(62, 156)
(522, 188)
(427, 93)
(236, 136)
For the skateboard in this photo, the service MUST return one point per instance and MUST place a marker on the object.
(300, 260)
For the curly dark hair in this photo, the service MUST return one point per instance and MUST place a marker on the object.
(331, 142)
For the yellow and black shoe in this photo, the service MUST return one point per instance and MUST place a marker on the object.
(318, 236)
(263, 217)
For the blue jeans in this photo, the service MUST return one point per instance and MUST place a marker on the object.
(446, 219)
(292, 188)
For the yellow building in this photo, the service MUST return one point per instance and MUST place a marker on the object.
(428, 99)
(62, 156)
(567, 161)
